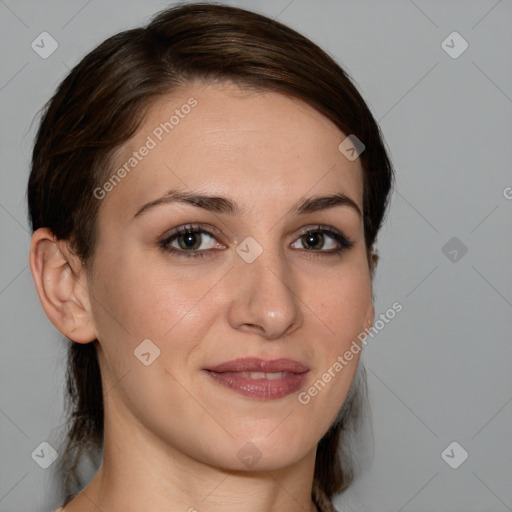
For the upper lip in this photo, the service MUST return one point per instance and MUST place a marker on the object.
(255, 364)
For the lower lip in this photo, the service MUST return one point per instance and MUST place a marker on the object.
(261, 389)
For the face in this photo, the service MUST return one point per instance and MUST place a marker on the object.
(257, 267)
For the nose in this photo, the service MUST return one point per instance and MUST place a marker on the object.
(264, 300)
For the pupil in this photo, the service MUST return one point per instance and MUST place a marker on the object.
(314, 240)
(190, 241)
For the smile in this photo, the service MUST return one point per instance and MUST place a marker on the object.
(260, 385)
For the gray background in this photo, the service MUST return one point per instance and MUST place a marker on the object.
(440, 371)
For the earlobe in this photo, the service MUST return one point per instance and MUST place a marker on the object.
(370, 316)
(372, 261)
(61, 286)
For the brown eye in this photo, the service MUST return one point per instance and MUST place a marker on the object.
(189, 241)
(313, 241)
(323, 240)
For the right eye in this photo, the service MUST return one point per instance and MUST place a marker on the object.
(189, 241)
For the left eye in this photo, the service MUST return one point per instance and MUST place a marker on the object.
(323, 241)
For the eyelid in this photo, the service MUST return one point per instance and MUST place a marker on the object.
(325, 229)
(207, 229)
(321, 227)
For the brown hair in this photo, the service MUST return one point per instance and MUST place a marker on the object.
(101, 104)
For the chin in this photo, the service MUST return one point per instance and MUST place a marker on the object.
(268, 452)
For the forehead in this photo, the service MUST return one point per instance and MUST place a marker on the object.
(257, 147)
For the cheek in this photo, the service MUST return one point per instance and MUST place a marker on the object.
(145, 300)
(137, 301)
(341, 306)
(343, 302)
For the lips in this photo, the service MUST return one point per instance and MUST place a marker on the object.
(255, 364)
(260, 379)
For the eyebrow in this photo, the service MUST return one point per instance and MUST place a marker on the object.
(219, 204)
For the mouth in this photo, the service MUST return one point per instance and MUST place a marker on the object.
(258, 378)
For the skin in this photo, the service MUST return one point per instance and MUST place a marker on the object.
(172, 434)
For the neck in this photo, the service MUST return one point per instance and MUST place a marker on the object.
(141, 472)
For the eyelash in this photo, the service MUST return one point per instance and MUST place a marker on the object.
(343, 241)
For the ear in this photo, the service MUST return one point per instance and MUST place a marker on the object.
(61, 286)
(373, 259)
(370, 315)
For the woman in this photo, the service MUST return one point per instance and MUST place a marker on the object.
(205, 196)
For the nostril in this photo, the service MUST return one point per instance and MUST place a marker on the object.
(252, 327)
